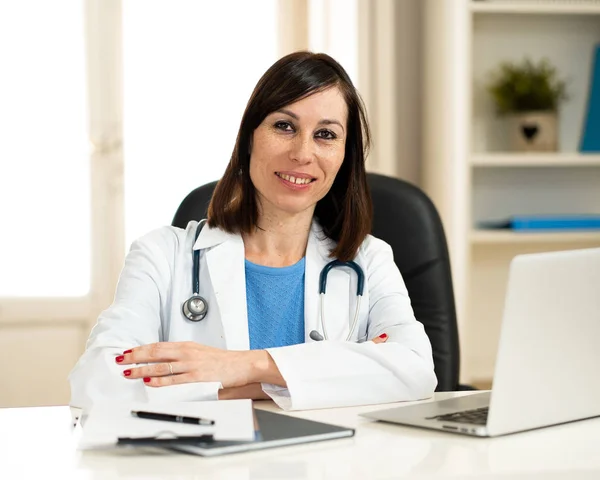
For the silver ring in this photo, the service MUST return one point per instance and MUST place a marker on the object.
(170, 368)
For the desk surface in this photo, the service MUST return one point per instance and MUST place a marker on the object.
(39, 442)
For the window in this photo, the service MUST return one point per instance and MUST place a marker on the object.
(189, 69)
(44, 152)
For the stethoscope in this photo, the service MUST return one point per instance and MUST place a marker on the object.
(195, 308)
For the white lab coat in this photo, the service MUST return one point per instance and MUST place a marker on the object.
(156, 280)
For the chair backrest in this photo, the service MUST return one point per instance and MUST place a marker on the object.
(405, 218)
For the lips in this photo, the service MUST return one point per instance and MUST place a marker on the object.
(300, 179)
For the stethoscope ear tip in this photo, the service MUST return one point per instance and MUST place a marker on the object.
(316, 336)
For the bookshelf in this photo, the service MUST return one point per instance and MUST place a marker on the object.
(496, 237)
(512, 160)
(468, 170)
(524, 7)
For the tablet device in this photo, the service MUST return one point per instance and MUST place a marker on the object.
(271, 430)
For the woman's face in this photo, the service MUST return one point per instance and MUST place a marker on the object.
(297, 151)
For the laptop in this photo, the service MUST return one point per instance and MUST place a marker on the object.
(272, 430)
(548, 362)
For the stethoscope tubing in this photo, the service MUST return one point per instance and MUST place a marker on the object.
(354, 320)
(196, 266)
(360, 283)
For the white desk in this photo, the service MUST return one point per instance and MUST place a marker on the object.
(39, 443)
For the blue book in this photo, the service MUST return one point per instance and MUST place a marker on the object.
(590, 139)
(547, 222)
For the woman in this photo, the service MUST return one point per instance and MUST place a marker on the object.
(293, 198)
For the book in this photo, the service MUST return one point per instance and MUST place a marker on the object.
(590, 138)
(546, 222)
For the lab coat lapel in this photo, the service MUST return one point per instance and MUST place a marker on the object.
(225, 263)
(313, 265)
(337, 290)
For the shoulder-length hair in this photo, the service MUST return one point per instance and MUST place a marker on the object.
(345, 213)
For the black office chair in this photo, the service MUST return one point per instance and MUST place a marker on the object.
(405, 218)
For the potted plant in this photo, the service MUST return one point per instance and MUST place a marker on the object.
(529, 94)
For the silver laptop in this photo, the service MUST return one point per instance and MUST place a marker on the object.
(548, 362)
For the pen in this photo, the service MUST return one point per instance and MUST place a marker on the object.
(165, 417)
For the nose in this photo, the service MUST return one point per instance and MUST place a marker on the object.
(302, 149)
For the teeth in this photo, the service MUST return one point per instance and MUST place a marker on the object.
(292, 179)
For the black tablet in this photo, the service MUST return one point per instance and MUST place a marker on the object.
(271, 430)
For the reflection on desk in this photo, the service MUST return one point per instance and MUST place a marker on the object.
(41, 440)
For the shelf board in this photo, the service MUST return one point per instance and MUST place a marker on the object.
(480, 237)
(565, 7)
(535, 160)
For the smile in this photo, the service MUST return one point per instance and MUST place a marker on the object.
(295, 180)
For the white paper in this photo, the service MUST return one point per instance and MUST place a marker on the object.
(107, 422)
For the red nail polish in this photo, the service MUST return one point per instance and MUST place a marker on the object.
(127, 372)
(147, 379)
(127, 351)
(119, 359)
(383, 335)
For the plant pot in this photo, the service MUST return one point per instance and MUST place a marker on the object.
(533, 131)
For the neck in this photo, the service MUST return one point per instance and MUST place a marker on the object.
(279, 240)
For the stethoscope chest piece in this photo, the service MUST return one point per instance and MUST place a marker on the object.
(195, 308)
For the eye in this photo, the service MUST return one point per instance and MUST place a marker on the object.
(284, 126)
(326, 134)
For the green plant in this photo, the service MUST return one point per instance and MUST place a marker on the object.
(526, 87)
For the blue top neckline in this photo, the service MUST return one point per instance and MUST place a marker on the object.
(278, 271)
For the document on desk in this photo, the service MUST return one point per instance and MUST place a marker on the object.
(107, 422)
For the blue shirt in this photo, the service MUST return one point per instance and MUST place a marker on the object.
(275, 301)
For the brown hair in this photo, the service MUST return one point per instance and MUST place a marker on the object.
(345, 213)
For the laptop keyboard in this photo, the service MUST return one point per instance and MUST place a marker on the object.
(477, 416)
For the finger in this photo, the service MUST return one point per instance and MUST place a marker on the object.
(151, 353)
(154, 370)
(381, 338)
(168, 380)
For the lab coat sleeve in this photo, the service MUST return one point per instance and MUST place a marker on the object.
(339, 374)
(135, 318)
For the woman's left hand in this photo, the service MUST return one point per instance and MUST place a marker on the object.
(172, 363)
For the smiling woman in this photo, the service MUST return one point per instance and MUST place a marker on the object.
(294, 197)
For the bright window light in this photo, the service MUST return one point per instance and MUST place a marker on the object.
(333, 29)
(44, 151)
(189, 69)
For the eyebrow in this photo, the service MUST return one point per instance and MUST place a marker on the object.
(325, 121)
